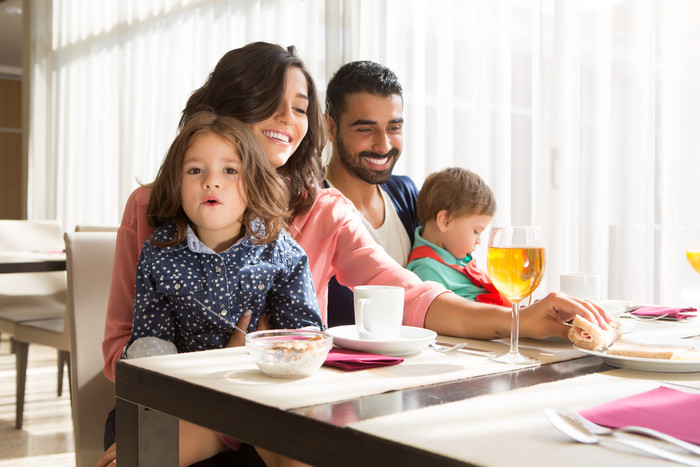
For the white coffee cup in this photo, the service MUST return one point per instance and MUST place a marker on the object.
(378, 311)
(581, 285)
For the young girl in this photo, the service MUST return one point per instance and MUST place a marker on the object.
(218, 249)
(454, 206)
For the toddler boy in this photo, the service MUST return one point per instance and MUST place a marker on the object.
(454, 207)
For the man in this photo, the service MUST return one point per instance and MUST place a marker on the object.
(364, 115)
(365, 121)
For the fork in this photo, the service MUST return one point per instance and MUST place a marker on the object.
(603, 430)
(461, 346)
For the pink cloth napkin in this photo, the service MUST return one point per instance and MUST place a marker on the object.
(671, 313)
(350, 360)
(667, 410)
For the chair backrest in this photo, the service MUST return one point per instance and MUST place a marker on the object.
(89, 256)
(23, 235)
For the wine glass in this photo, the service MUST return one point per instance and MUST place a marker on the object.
(692, 247)
(515, 262)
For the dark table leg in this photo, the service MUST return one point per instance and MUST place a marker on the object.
(145, 437)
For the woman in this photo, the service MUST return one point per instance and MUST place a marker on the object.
(268, 87)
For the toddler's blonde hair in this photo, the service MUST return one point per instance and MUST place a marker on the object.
(459, 191)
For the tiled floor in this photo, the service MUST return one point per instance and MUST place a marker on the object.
(46, 439)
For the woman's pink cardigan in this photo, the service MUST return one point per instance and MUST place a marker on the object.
(332, 235)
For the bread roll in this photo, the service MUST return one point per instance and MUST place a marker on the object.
(664, 352)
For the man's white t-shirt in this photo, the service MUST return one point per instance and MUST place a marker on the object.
(391, 234)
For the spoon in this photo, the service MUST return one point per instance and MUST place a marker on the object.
(578, 432)
(439, 347)
(206, 308)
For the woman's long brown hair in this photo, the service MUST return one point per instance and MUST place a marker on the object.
(248, 83)
(266, 193)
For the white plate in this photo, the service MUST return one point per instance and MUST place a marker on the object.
(643, 338)
(410, 341)
(627, 326)
(646, 364)
(614, 308)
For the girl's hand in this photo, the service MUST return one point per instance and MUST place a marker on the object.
(109, 457)
(238, 338)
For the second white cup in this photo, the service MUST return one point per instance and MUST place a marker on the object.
(378, 311)
(581, 284)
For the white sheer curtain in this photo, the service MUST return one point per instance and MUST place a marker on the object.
(581, 115)
(111, 77)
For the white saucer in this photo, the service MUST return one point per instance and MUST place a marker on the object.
(410, 341)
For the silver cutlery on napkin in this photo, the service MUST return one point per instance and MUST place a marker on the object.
(628, 313)
(604, 431)
(578, 432)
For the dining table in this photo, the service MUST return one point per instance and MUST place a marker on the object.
(32, 261)
(435, 408)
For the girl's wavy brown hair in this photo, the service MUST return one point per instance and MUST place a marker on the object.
(248, 83)
(266, 192)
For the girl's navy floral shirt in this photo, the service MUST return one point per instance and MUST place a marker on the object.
(192, 296)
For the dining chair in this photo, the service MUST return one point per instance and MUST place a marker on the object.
(30, 296)
(90, 256)
(51, 332)
(33, 297)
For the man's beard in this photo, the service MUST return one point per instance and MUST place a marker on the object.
(353, 163)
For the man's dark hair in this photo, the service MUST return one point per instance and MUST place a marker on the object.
(359, 76)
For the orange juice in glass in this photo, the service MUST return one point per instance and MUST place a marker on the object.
(515, 261)
(517, 271)
(692, 247)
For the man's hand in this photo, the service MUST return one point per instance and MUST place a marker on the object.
(548, 317)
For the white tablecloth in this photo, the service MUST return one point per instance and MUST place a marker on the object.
(233, 371)
(510, 428)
